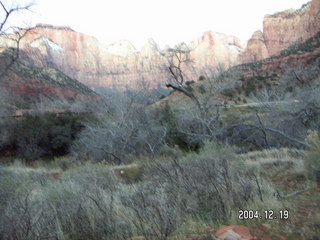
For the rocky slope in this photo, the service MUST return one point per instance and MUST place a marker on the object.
(294, 70)
(27, 84)
(281, 30)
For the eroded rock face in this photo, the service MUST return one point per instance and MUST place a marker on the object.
(256, 49)
(120, 65)
(215, 52)
(282, 30)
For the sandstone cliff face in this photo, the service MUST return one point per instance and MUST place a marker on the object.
(281, 30)
(119, 65)
(256, 49)
(122, 67)
(215, 52)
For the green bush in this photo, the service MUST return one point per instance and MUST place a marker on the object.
(201, 78)
(41, 135)
(202, 89)
(228, 92)
(188, 83)
(250, 87)
(174, 137)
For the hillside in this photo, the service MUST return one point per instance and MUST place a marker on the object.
(294, 71)
(26, 84)
(277, 96)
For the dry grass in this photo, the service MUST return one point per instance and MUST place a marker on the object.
(275, 160)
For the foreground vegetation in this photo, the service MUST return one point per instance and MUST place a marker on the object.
(168, 197)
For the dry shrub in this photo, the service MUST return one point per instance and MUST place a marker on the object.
(211, 183)
(312, 156)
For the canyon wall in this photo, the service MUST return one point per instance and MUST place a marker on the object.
(119, 65)
(282, 30)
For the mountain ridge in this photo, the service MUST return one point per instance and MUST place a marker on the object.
(82, 57)
(121, 66)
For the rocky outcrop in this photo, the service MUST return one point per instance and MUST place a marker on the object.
(256, 49)
(297, 56)
(215, 52)
(120, 65)
(235, 232)
(282, 30)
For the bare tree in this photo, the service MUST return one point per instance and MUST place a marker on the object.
(12, 34)
(276, 123)
(203, 120)
(178, 58)
(127, 129)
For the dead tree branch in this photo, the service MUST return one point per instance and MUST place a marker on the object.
(276, 131)
(12, 33)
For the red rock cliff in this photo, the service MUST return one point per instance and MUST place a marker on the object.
(83, 58)
(256, 49)
(281, 30)
(121, 66)
(215, 52)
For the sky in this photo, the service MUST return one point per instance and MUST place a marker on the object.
(166, 21)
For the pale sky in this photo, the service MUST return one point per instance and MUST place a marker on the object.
(166, 21)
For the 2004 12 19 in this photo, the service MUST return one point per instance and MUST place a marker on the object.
(266, 214)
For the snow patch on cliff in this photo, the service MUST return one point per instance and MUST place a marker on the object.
(121, 48)
(45, 44)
